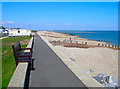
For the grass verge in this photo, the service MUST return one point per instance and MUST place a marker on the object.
(8, 62)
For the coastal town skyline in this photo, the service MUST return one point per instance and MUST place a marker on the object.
(61, 15)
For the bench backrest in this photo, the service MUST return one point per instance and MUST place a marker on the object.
(16, 50)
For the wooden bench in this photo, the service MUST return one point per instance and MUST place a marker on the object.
(21, 56)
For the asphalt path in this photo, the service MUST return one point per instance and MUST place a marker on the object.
(49, 70)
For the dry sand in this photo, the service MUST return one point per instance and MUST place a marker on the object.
(98, 59)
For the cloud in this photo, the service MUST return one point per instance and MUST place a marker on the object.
(7, 22)
(50, 24)
(105, 25)
(82, 25)
(67, 24)
(75, 25)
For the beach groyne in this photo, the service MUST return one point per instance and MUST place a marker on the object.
(70, 43)
(110, 37)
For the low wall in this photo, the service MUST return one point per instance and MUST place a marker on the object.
(19, 76)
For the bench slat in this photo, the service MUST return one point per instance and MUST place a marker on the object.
(21, 56)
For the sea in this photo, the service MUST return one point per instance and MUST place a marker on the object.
(111, 37)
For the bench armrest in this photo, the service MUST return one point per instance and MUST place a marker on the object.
(24, 55)
(27, 49)
(27, 52)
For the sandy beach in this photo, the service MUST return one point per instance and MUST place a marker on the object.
(93, 60)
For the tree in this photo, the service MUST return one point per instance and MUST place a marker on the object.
(1, 27)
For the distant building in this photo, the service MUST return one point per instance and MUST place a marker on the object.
(15, 28)
(19, 32)
(8, 29)
(5, 32)
(1, 29)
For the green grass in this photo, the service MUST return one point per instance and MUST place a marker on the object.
(8, 62)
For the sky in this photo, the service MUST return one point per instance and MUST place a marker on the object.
(60, 0)
(60, 15)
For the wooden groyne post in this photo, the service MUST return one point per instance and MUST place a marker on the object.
(82, 42)
(59, 42)
(102, 44)
(115, 46)
(112, 46)
(98, 44)
(85, 43)
(105, 45)
(76, 42)
(118, 46)
(108, 45)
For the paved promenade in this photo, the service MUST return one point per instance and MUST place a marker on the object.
(50, 71)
